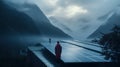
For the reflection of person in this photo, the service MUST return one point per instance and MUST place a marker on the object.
(58, 50)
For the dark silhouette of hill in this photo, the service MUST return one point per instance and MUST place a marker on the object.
(13, 22)
(40, 20)
(31, 22)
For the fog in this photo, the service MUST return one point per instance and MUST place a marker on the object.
(81, 17)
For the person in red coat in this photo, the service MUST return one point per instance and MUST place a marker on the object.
(58, 50)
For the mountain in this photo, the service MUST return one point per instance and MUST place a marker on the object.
(41, 21)
(114, 19)
(27, 19)
(56, 23)
(13, 22)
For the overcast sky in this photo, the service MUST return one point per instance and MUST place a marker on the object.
(80, 16)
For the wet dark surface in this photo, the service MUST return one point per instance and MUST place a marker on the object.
(73, 53)
(51, 59)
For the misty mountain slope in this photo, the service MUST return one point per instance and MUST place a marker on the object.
(41, 21)
(106, 28)
(14, 22)
(28, 20)
(60, 25)
(55, 22)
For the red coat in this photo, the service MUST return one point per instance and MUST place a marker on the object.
(58, 50)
